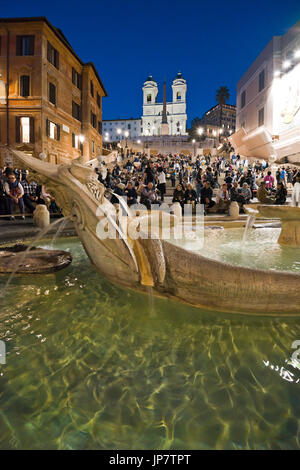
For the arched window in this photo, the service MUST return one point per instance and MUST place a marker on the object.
(149, 98)
(178, 96)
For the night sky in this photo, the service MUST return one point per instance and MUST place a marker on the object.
(211, 42)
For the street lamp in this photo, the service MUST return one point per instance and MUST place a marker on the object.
(194, 147)
(126, 133)
(119, 132)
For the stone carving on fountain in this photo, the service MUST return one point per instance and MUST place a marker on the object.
(170, 270)
(290, 222)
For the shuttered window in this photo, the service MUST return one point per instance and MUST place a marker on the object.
(25, 130)
(76, 78)
(25, 85)
(52, 130)
(52, 55)
(52, 93)
(94, 120)
(25, 45)
(76, 111)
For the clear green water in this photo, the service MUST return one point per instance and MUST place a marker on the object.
(93, 366)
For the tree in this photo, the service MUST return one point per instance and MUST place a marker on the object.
(193, 131)
(222, 95)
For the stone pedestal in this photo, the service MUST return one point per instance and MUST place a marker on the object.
(41, 216)
(234, 210)
(290, 222)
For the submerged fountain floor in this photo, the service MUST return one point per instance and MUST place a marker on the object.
(94, 366)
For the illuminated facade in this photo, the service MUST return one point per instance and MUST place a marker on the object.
(176, 110)
(50, 101)
(117, 129)
(268, 102)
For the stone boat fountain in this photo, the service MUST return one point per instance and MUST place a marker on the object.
(170, 271)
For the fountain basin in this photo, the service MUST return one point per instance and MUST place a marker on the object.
(170, 270)
(35, 261)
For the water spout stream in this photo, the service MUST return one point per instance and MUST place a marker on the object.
(38, 237)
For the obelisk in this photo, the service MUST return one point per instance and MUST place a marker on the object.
(164, 121)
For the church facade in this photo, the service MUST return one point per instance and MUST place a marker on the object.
(151, 124)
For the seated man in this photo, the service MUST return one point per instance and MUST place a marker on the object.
(32, 192)
(149, 196)
(281, 193)
(14, 191)
(235, 192)
(178, 195)
(131, 194)
(263, 195)
(190, 196)
(245, 194)
(206, 195)
(222, 200)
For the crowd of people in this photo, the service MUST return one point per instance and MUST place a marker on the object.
(19, 189)
(214, 182)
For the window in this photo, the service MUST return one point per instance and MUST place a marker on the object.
(52, 93)
(178, 95)
(76, 78)
(93, 120)
(243, 99)
(100, 127)
(75, 141)
(98, 100)
(52, 55)
(25, 130)
(25, 85)
(92, 89)
(149, 98)
(76, 111)
(261, 117)
(93, 146)
(261, 81)
(25, 45)
(52, 130)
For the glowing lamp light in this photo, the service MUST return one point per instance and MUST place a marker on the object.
(193, 141)
(119, 131)
(286, 64)
(297, 54)
(126, 134)
(277, 73)
(138, 141)
(81, 138)
(200, 130)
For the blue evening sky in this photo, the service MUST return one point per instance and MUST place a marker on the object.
(211, 42)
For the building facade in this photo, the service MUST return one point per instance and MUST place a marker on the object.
(222, 116)
(117, 129)
(268, 101)
(50, 101)
(176, 110)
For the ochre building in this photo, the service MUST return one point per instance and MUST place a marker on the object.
(50, 101)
